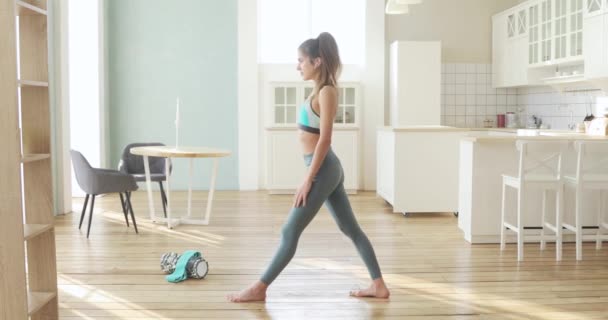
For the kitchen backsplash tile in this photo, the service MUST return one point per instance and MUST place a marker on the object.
(557, 110)
(467, 96)
(467, 99)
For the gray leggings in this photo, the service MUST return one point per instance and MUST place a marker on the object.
(328, 188)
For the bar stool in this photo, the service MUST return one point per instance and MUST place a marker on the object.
(591, 175)
(540, 164)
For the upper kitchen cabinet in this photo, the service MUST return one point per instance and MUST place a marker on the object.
(595, 42)
(549, 36)
(509, 42)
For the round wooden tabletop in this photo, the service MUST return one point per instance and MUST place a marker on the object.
(180, 152)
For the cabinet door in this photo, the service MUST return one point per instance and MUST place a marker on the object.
(533, 34)
(546, 30)
(595, 7)
(522, 22)
(594, 46)
(560, 34)
(575, 28)
(511, 25)
(286, 167)
(345, 145)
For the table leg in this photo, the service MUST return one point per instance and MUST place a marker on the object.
(149, 187)
(211, 190)
(168, 193)
(190, 187)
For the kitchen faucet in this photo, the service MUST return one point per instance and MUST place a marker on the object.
(571, 124)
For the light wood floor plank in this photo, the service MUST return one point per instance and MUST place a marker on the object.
(432, 271)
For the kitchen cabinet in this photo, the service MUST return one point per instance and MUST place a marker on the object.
(540, 42)
(510, 32)
(595, 41)
(417, 168)
(285, 166)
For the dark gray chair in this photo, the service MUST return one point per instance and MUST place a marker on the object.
(96, 181)
(134, 165)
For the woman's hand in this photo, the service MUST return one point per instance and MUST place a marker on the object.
(302, 193)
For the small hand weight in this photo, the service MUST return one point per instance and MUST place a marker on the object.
(168, 261)
(196, 268)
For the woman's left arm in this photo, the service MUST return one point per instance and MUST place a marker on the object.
(328, 104)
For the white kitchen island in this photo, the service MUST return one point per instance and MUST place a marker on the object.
(484, 157)
(417, 167)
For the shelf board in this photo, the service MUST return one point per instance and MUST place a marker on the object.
(24, 8)
(32, 83)
(573, 61)
(564, 79)
(37, 300)
(32, 230)
(34, 157)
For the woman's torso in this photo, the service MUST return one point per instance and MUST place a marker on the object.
(308, 123)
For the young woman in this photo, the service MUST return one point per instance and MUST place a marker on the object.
(319, 61)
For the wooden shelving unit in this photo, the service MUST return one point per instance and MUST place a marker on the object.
(28, 267)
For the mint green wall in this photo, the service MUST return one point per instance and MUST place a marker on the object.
(160, 49)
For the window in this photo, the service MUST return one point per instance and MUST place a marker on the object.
(287, 99)
(284, 25)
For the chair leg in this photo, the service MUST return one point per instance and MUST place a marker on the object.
(520, 224)
(124, 210)
(163, 197)
(131, 210)
(91, 215)
(578, 224)
(84, 209)
(543, 243)
(502, 218)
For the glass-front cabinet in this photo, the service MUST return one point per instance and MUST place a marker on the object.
(533, 34)
(561, 32)
(576, 27)
(517, 24)
(287, 98)
(511, 25)
(555, 33)
(593, 7)
(546, 20)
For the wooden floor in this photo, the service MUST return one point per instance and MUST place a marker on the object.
(432, 272)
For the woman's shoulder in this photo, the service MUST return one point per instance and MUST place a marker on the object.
(328, 91)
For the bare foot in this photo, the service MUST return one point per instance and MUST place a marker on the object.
(255, 292)
(378, 289)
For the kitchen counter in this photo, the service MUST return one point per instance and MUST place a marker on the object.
(423, 129)
(484, 157)
(528, 134)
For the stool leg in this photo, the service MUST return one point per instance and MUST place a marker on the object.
(559, 202)
(578, 223)
(543, 243)
(520, 224)
(502, 218)
(600, 220)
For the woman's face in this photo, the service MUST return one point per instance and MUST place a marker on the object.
(306, 67)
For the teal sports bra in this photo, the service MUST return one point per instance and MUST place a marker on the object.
(308, 119)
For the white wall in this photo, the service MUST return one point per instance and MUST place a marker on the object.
(249, 129)
(464, 27)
